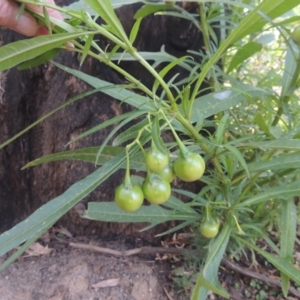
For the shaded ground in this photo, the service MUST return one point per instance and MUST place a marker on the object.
(69, 273)
(61, 267)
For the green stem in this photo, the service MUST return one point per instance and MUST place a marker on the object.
(184, 151)
(207, 212)
(286, 98)
(127, 180)
(143, 62)
(199, 139)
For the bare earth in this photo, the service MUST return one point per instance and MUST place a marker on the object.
(69, 273)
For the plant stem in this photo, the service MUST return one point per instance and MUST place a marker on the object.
(143, 62)
(199, 139)
(286, 98)
(127, 180)
(184, 151)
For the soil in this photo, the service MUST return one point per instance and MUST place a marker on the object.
(118, 267)
(69, 273)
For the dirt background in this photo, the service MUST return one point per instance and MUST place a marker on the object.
(118, 267)
(59, 271)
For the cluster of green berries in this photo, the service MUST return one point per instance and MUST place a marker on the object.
(156, 187)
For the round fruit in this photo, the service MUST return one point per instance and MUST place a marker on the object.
(167, 174)
(156, 161)
(156, 190)
(209, 228)
(189, 168)
(295, 35)
(129, 197)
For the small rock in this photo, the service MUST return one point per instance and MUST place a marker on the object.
(78, 285)
(140, 290)
(125, 282)
(153, 287)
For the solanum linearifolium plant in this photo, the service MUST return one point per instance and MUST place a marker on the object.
(249, 163)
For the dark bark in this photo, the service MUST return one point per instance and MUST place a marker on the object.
(27, 95)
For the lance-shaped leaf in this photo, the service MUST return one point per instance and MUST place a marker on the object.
(20, 51)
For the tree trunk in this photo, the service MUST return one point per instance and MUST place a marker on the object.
(25, 96)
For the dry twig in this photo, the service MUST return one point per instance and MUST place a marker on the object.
(258, 276)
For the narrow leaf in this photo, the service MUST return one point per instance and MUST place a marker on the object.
(130, 133)
(216, 252)
(39, 60)
(156, 136)
(127, 116)
(86, 48)
(283, 161)
(85, 154)
(260, 121)
(282, 265)
(117, 92)
(165, 70)
(20, 51)
(110, 212)
(107, 13)
(134, 30)
(244, 53)
(288, 224)
(238, 155)
(149, 9)
(281, 192)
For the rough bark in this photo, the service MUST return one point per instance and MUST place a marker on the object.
(27, 95)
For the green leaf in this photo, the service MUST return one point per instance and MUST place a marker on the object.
(149, 9)
(212, 104)
(116, 92)
(85, 154)
(177, 205)
(279, 144)
(133, 115)
(127, 117)
(157, 57)
(20, 51)
(47, 20)
(209, 275)
(280, 264)
(282, 192)
(166, 69)
(107, 13)
(134, 31)
(131, 133)
(44, 217)
(221, 128)
(175, 228)
(238, 155)
(215, 288)
(154, 214)
(86, 48)
(291, 64)
(156, 136)
(82, 5)
(284, 161)
(185, 99)
(260, 121)
(244, 53)
(39, 60)
(288, 224)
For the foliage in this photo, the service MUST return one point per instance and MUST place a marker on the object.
(252, 103)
